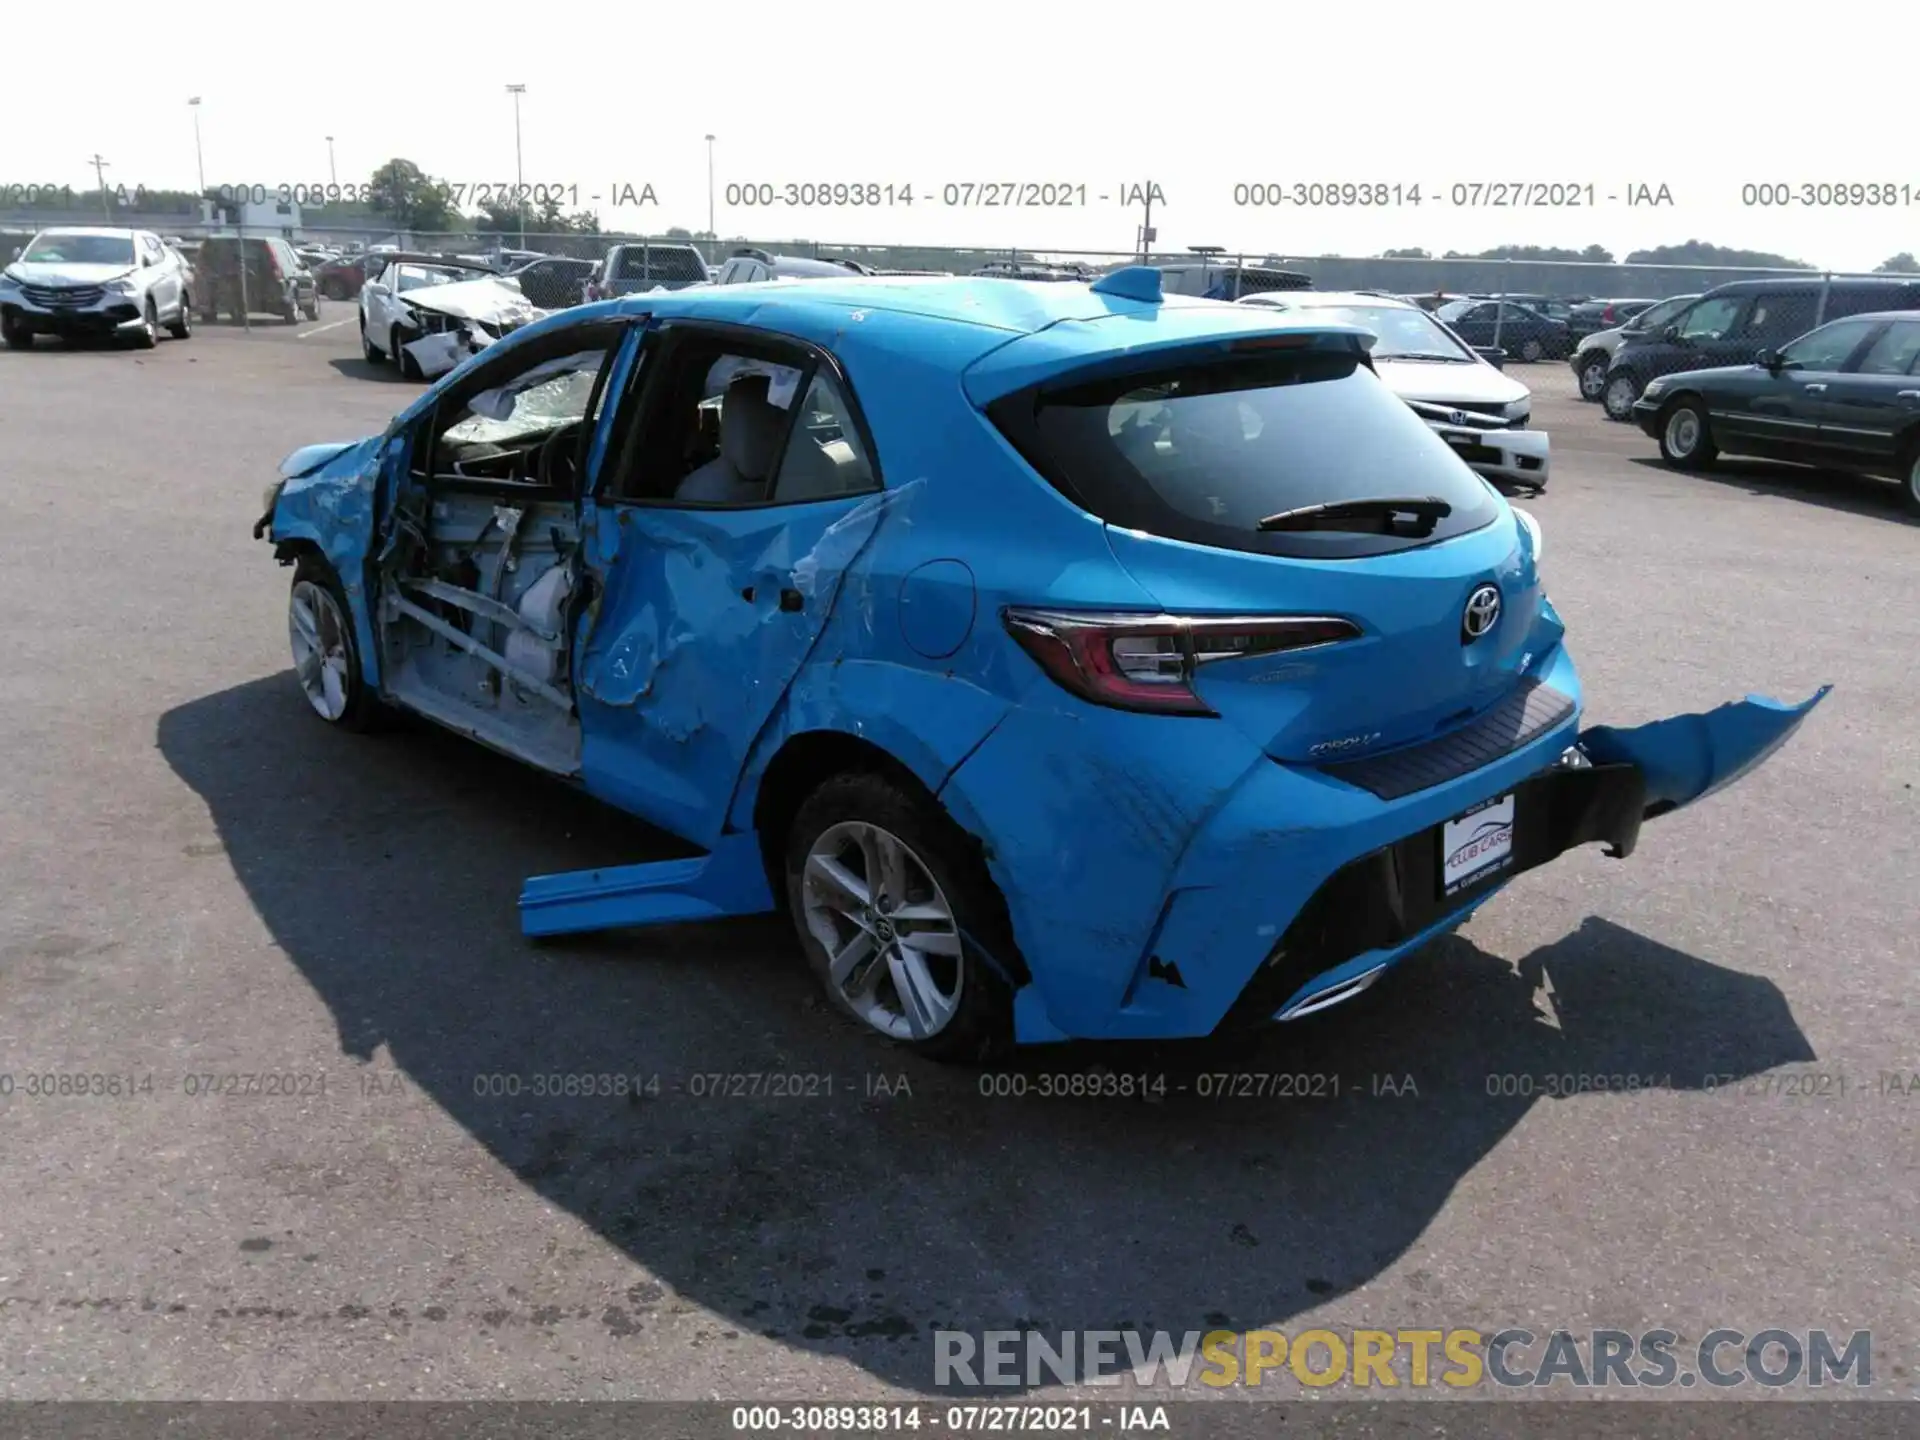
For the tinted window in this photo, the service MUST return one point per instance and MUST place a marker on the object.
(660, 262)
(1656, 317)
(1895, 352)
(1781, 315)
(1859, 299)
(1828, 347)
(1712, 319)
(825, 456)
(1203, 451)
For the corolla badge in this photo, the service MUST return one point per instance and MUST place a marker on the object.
(1481, 615)
(1343, 745)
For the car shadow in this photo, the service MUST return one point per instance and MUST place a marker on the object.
(850, 1200)
(358, 367)
(1833, 489)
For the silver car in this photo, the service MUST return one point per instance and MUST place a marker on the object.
(1594, 353)
(75, 282)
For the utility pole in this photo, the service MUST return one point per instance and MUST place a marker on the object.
(1147, 237)
(713, 235)
(519, 174)
(333, 175)
(199, 160)
(100, 177)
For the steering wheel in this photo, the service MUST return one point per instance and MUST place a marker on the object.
(553, 452)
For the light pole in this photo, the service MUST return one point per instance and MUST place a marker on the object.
(100, 178)
(199, 161)
(333, 175)
(519, 175)
(713, 235)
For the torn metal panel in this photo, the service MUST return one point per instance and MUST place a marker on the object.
(436, 355)
(729, 880)
(1689, 757)
(705, 618)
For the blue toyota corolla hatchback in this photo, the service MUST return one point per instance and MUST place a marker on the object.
(1067, 660)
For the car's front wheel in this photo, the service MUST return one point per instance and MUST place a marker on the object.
(893, 905)
(326, 657)
(181, 326)
(409, 367)
(15, 333)
(1622, 389)
(1910, 492)
(148, 335)
(1593, 378)
(374, 354)
(1686, 442)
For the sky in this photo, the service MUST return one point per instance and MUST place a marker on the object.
(1200, 101)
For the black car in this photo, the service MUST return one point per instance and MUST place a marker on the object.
(275, 280)
(1843, 397)
(554, 282)
(1731, 323)
(1590, 317)
(1550, 306)
(1524, 334)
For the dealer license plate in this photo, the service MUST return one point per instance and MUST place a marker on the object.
(1476, 844)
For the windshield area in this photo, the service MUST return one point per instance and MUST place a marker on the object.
(1205, 452)
(544, 400)
(1658, 317)
(416, 277)
(1403, 332)
(55, 247)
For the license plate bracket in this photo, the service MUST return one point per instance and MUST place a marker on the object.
(1477, 844)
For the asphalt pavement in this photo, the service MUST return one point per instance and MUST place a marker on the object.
(328, 1171)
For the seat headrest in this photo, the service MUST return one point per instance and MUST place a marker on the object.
(750, 428)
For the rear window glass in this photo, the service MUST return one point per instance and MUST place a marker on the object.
(664, 263)
(1203, 451)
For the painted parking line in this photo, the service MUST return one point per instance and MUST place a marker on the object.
(321, 329)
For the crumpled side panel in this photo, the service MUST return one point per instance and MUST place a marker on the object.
(333, 507)
(705, 619)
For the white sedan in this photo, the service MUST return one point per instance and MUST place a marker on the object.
(389, 318)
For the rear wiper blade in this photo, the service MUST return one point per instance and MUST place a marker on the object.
(1388, 510)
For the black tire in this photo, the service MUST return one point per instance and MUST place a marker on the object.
(1623, 389)
(311, 308)
(181, 326)
(16, 335)
(1910, 484)
(409, 368)
(148, 335)
(290, 311)
(981, 1025)
(368, 348)
(363, 711)
(1686, 435)
(1531, 350)
(1592, 377)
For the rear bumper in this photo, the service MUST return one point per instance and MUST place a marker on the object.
(1152, 878)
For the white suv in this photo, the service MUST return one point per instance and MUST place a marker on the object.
(94, 281)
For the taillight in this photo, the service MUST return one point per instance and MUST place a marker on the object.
(1149, 662)
(274, 261)
(1606, 316)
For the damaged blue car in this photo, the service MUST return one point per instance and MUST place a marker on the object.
(1067, 660)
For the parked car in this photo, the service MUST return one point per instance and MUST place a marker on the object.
(1553, 307)
(1732, 323)
(1064, 660)
(1224, 280)
(747, 267)
(1595, 352)
(341, 279)
(1591, 316)
(1525, 334)
(94, 281)
(276, 282)
(1028, 270)
(633, 268)
(411, 296)
(1463, 398)
(553, 282)
(1843, 397)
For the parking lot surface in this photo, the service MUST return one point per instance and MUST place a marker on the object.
(328, 1170)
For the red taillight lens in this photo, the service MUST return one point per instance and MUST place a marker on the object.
(1148, 662)
(1606, 315)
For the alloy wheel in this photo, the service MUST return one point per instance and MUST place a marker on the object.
(1593, 381)
(1621, 392)
(1683, 432)
(318, 634)
(892, 942)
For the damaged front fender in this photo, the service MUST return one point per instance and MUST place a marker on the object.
(1685, 758)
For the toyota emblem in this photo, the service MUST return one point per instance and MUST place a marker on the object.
(1481, 615)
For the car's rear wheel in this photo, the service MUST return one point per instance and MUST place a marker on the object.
(893, 904)
(1686, 441)
(1623, 388)
(311, 307)
(148, 335)
(181, 326)
(1531, 350)
(326, 657)
(1593, 378)
(16, 335)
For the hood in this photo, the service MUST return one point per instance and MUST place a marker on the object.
(488, 300)
(65, 274)
(309, 458)
(1717, 372)
(1438, 384)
